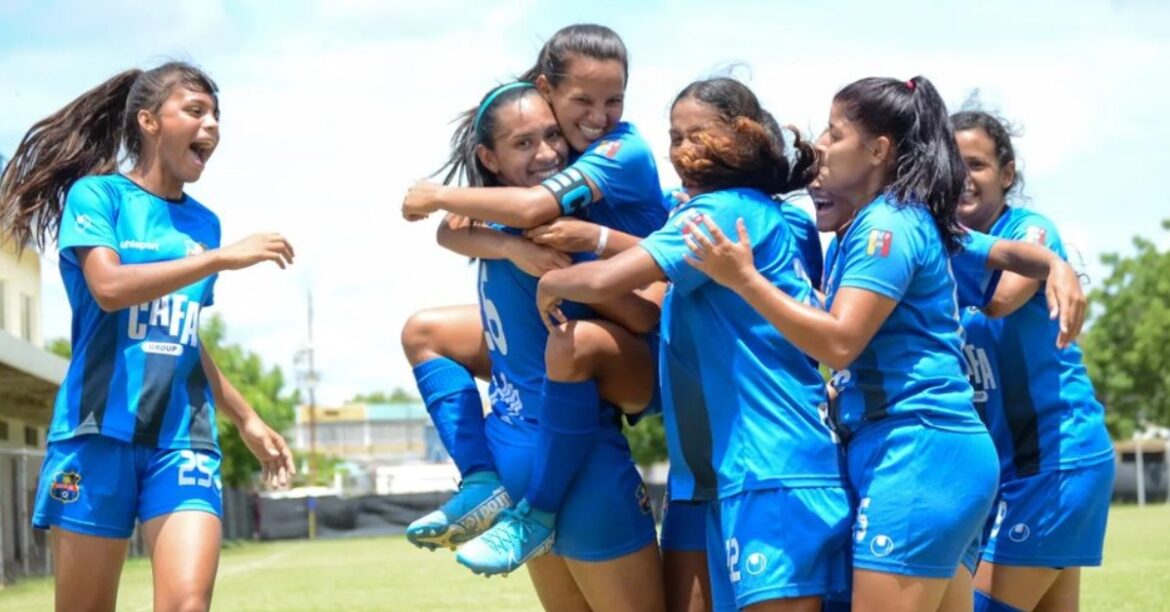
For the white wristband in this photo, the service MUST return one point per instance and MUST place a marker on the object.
(602, 240)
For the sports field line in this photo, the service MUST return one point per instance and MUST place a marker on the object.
(242, 568)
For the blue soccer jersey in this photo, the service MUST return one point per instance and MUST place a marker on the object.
(135, 375)
(808, 241)
(1039, 403)
(912, 367)
(622, 167)
(742, 403)
(515, 336)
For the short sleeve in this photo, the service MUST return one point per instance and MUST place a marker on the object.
(879, 254)
(621, 166)
(974, 281)
(89, 218)
(1035, 229)
(667, 248)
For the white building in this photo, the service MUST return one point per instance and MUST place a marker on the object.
(29, 377)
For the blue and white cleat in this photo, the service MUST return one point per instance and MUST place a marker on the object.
(470, 511)
(520, 534)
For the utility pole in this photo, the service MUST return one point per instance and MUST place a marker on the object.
(311, 383)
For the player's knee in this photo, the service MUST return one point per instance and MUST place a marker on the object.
(188, 602)
(419, 336)
(567, 355)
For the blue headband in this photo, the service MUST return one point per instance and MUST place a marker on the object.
(492, 98)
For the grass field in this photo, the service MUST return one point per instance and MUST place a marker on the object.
(388, 574)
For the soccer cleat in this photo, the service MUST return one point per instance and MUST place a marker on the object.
(470, 511)
(520, 534)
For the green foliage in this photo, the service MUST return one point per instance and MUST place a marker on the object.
(261, 386)
(60, 347)
(1127, 349)
(647, 440)
(397, 396)
(324, 468)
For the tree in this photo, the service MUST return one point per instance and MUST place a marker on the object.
(262, 387)
(397, 396)
(60, 347)
(1127, 348)
(647, 440)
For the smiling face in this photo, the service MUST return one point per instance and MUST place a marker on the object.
(527, 146)
(182, 135)
(588, 101)
(688, 118)
(985, 192)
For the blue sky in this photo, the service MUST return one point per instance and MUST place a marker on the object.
(331, 109)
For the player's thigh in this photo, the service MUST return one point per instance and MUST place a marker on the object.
(180, 506)
(687, 583)
(1065, 594)
(555, 586)
(454, 332)
(959, 594)
(631, 582)
(1017, 586)
(86, 570)
(87, 497)
(622, 363)
(885, 592)
(184, 555)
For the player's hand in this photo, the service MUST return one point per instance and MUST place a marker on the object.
(276, 461)
(567, 234)
(728, 263)
(534, 259)
(421, 200)
(549, 307)
(256, 248)
(1066, 301)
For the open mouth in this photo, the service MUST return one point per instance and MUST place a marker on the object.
(545, 173)
(591, 133)
(201, 150)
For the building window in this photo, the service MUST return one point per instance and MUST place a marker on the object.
(26, 317)
(4, 430)
(30, 436)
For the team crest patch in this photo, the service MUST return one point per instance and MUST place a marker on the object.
(643, 497)
(1036, 234)
(195, 248)
(692, 216)
(65, 487)
(609, 148)
(879, 243)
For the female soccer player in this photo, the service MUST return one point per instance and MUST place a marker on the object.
(917, 455)
(1056, 460)
(513, 140)
(613, 183)
(744, 430)
(133, 435)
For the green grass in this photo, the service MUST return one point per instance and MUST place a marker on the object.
(388, 574)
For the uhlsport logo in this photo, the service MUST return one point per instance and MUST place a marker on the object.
(65, 487)
(1019, 532)
(881, 546)
(756, 563)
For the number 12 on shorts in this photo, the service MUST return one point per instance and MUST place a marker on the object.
(733, 559)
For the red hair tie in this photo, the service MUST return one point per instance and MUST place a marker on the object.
(910, 84)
